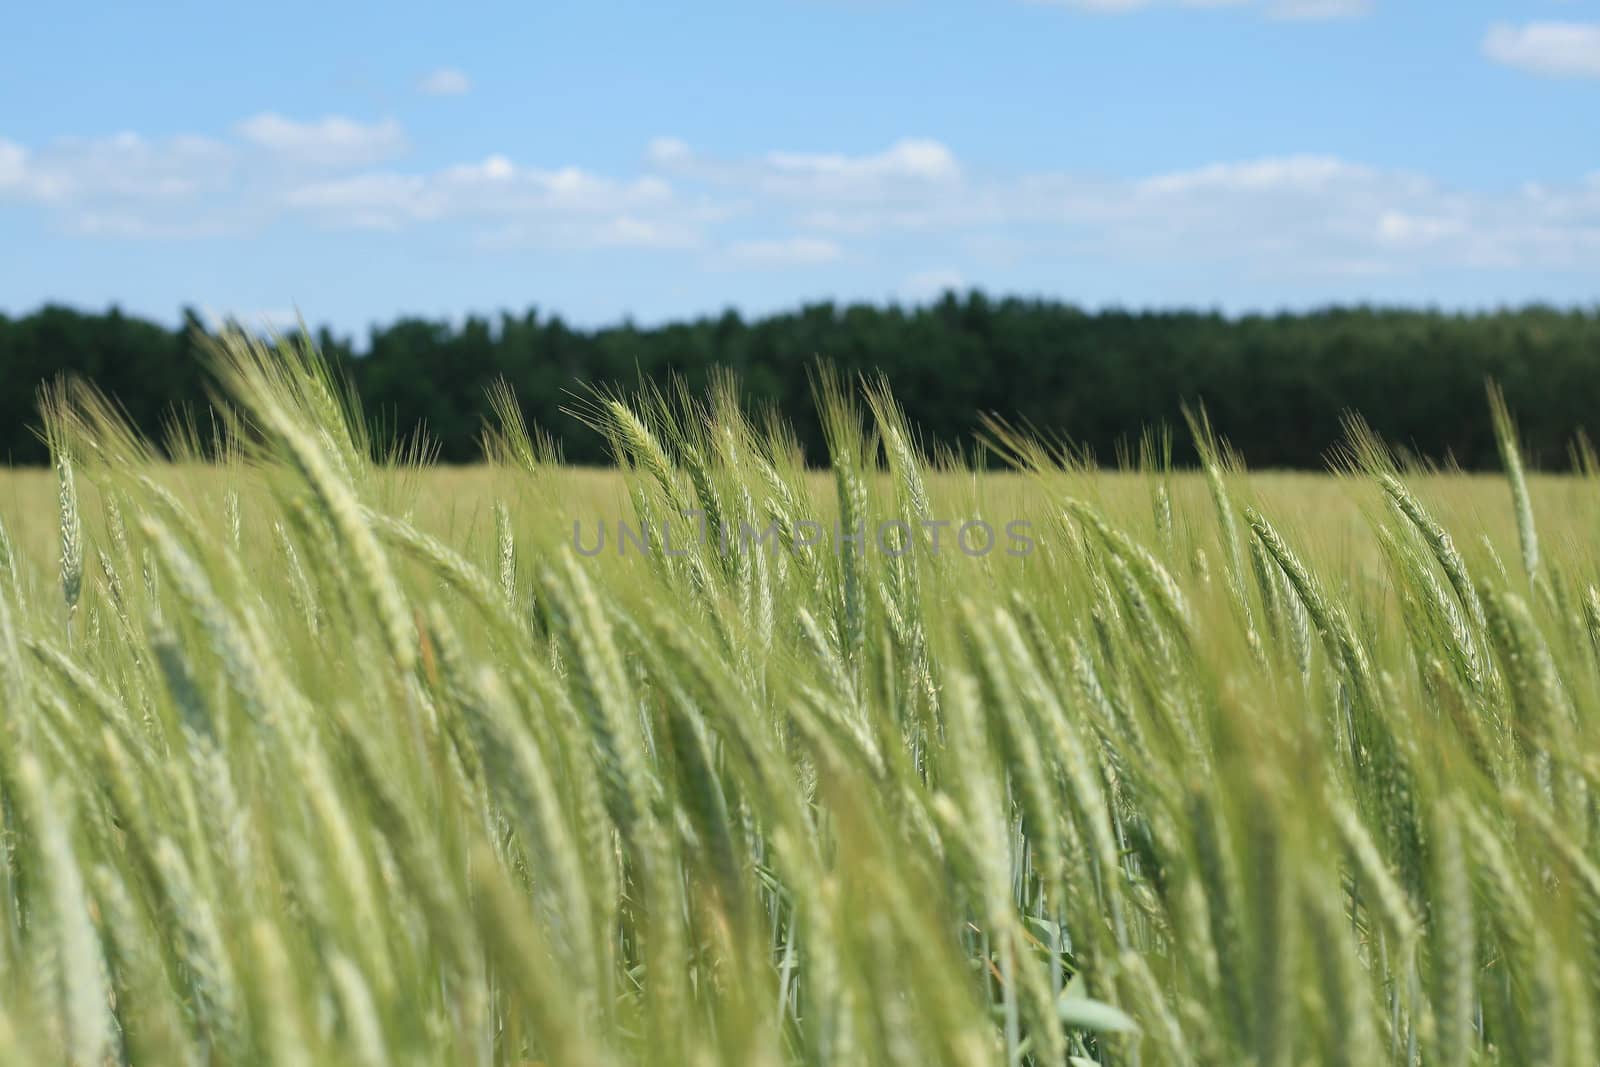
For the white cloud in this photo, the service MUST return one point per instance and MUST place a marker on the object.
(13, 164)
(1307, 173)
(913, 201)
(265, 320)
(908, 162)
(1404, 228)
(1307, 10)
(787, 252)
(667, 152)
(912, 159)
(127, 225)
(565, 206)
(1549, 49)
(930, 285)
(1310, 10)
(331, 141)
(446, 81)
(1305, 214)
(124, 166)
(1315, 215)
(1108, 6)
(129, 187)
(628, 231)
(368, 201)
(125, 186)
(565, 232)
(1118, 7)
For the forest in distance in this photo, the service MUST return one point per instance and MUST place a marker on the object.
(1276, 385)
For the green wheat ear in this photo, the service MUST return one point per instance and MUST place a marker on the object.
(1505, 436)
(66, 930)
(71, 533)
(338, 795)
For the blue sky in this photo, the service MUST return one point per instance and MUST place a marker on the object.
(362, 160)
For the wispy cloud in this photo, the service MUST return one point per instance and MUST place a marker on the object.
(268, 320)
(915, 160)
(514, 204)
(132, 187)
(13, 164)
(331, 141)
(1304, 173)
(1312, 10)
(913, 200)
(668, 152)
(1305, 10)
(1306, 214)
(784, 252)
(930, 285)
(445, 81)
(1548, 49)
(122, 166)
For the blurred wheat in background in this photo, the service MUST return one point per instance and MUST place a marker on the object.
(315, 754)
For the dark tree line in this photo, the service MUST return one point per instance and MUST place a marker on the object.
(1276, 386)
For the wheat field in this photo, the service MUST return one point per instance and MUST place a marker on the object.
(314, 753)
